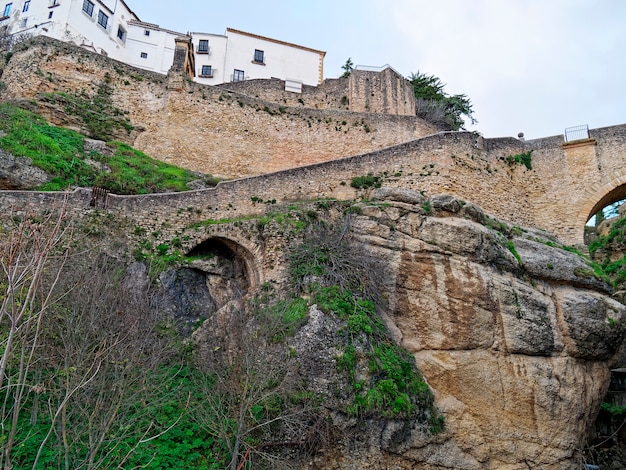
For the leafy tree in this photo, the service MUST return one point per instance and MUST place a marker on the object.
(436, 106)
(347, 68)
(90, 378)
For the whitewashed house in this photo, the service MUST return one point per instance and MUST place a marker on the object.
(111, 28)
(238, 56)
(150, 47)
(99, 25)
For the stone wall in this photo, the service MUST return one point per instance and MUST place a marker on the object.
(381, 92)
(297, 150)
(331, 94)
(556, 194)
(364, 91)
(442, 163)
(210, 129)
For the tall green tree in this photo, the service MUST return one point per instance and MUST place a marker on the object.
(433, 104)
(347, 68)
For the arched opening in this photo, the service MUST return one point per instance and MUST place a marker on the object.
(218, 272)
(227, 264)
(605, 236)
(608, 210)
(612, 198)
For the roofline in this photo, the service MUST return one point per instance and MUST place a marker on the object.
(256, 36)
(129, 9)
(199, 33)
(156, 27)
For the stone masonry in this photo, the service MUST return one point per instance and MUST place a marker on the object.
(297, 150)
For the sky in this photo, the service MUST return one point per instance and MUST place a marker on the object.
(531, 66)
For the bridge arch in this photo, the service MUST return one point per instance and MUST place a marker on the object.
(600, 197)
(227, 258)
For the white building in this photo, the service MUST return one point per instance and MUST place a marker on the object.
(150, 47)
(111, 28)
(99, 25)
(238, 55)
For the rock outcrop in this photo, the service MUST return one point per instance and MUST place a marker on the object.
(512, 333)
(19, 173)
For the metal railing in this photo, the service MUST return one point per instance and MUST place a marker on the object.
(576, 133)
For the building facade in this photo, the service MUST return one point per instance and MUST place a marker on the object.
(238, 55)
(111, 28)
(98, 25)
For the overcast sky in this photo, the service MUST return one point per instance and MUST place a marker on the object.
(532, 66)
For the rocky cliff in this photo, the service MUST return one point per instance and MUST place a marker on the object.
(512, 332)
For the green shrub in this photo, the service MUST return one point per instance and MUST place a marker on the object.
(367, 181)
(520, 159)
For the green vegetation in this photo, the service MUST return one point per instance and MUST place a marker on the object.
(344, 281)
(511, 246)
(602, 247)
(176, 439)
(520, 159)
(347, 70)
(60, 153)
(367, 181)
(436, 106)
(426, 207)
(614, 410)
(617, 234)
(92, 376)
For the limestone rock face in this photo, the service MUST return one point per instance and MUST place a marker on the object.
(18, 173)
(512, 334)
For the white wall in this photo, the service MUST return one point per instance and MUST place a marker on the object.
(67, 21)
(215, 58)
(281, 60)
(235, 50)
(36, 20)
(159, 45)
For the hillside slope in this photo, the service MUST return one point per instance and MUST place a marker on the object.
(37, 155)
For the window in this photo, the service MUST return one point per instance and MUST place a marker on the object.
(54, 3)
(258, 56)
(23, 22)
(238, 76)
(203, 46)
(50, 14)
(121, 33)
(26, 5)
(144, 55)
(7, 10)
(146, 32)
(103, 19)
(207, 71)
(88, 7)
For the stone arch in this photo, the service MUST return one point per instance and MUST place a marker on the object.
(600, 197)
(227, 258)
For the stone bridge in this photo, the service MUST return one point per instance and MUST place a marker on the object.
(566, 184)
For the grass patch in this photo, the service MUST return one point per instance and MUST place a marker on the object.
(60, 153)
(511, 246)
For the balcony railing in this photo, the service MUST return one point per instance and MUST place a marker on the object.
(576, 133)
